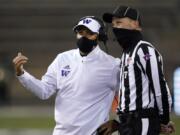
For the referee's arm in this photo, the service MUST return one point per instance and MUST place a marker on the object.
(151, 60)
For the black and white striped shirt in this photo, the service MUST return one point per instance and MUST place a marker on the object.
(142, 82)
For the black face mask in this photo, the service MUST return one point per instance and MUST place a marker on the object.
(126, 37)
(86, 45)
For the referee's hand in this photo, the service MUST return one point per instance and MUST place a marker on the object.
(19, 61)
(168, 129)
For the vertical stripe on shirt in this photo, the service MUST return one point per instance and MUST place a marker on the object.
(148, 69)
(145, 126)
(138, 78)
(126, 84)
(163, 87)
(142, 80)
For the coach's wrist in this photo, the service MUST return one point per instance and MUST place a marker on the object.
(19, 73)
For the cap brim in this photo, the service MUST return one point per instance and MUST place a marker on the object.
(76, 27)
(107, 17)
(79, 27)
(89, 23)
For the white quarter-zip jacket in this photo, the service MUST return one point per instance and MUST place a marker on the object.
(84, 88)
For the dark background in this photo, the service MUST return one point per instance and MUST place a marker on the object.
(41, 29)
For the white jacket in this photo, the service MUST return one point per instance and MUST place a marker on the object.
(84, 88)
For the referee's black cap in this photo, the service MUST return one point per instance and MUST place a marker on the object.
(122, 12)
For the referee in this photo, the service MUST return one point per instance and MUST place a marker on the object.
(145, 100)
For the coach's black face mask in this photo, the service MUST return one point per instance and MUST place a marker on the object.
(86, 45)
(127, 38)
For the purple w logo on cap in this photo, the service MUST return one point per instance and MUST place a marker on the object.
(86, 21)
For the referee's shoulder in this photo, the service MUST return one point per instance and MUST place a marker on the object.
(147, 46)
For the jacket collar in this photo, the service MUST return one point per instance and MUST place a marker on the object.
(91, 56)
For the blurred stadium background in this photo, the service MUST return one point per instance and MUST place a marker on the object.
(41, 29)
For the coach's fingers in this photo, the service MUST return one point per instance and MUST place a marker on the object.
(107, 132)
(102, 131)
(103, 128)
(15, 58)
(19, 58)
(19, 53)
(20, 63)
(19, 67)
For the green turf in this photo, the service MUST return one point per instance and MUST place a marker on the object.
(15, 123)
(176, 120)
(48, 123)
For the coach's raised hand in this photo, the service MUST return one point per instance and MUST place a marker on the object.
(19, 61)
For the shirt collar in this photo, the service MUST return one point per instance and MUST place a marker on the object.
(91, 56)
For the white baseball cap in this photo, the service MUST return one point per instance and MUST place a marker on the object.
(89, 23)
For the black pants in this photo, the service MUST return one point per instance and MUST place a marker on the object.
(139, 123)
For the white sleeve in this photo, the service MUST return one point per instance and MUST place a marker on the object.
(116, 75)
(43, 88)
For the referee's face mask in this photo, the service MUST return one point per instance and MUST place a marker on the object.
(126, 24)
(125, 30)
(125, 36)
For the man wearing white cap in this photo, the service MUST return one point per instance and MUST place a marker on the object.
(83, 79)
